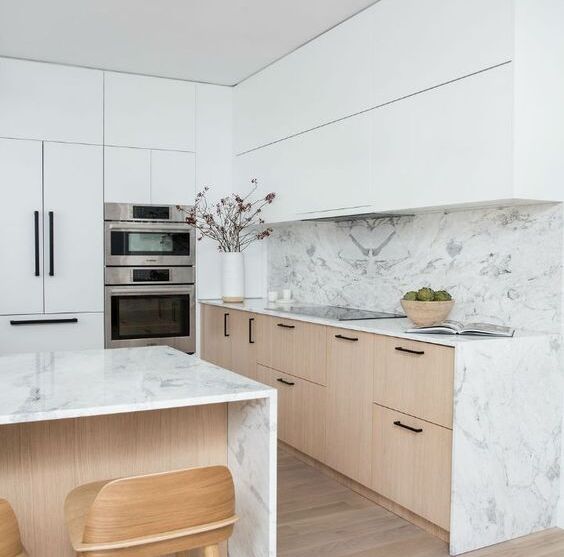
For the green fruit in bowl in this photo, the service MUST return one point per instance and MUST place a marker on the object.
(411, 295)
(442, 296)
(425, 294)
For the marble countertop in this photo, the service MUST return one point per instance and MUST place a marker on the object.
(56, 385)
(389, 327)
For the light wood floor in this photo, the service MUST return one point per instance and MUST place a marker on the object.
(318, 517)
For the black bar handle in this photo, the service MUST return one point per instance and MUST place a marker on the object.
(402, 349)
(286, 326)
(342, 337)
(280, 380)
(414, 429)
(51, 245)
(43, 321)
(36, 241)
(251, 321)
(225, 316)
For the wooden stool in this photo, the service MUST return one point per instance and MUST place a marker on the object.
(153, 515)
(10, 541)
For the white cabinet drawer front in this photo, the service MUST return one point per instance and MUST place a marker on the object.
(80, 331)
(52, 102)
(415, 378)
(412, 464)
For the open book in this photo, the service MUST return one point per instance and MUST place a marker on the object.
(457, 328)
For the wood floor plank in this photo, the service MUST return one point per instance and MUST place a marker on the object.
(318, 516)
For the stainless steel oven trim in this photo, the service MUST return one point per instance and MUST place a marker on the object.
(124, 275)
(124, 212)
(185, 343)
(144, 260)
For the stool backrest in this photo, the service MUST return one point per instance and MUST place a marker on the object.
(10, 542)
(147, 505)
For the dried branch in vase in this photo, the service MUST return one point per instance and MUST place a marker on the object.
(234, 222)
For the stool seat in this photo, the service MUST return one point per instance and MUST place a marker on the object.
(152, 515)
(10, 541)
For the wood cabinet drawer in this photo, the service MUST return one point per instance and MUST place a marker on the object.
(301, 411)
(295, 347)
(412, 466)
(350, 375)
(415, 378)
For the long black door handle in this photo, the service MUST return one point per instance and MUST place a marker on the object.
(225, 316)
(286, 326)
(251, 321)
(342, 337)
(402, 349)
(51, 245)
(36, 241)
(290, 383)
(43, 321)
(414, 429)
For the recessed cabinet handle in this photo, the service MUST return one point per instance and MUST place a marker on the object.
(251, 321)
(280, 380)
(286, 326)
(43, 321)
(36, 241)
(402, 349)
(352, 339)
(225, 316)
(414, 429)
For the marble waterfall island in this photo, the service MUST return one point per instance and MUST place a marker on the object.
(68, 418)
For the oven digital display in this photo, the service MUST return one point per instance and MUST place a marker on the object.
(151, 213)
(151, 275)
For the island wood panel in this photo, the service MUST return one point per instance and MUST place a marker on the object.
(216, 339)
(41, 462)
(416, 378)
(295, 347)
(350, 377)
(413, 468)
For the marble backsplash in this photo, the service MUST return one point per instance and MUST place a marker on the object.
(501, 265)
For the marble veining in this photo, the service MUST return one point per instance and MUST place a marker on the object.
(54, 385)
(502, 265)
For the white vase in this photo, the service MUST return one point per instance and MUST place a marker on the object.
(233, 276)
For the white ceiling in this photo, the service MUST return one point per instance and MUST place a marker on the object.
(215, 41)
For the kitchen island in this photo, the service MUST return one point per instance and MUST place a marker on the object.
(68, 418)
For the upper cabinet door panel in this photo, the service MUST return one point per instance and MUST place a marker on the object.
(149, 112)
(51, 102)
(419, 44)
(173, 176)
(21, 282)
(127, 175)
(324, 80)
(447, 146)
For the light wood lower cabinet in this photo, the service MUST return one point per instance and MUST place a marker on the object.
(244, 331)
(216, 342)
(301, 411)
(412, 464)
(350, 374)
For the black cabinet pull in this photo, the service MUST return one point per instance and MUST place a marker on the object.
(51, 245)
(280, 380)
(43, 321)
(414, 429)
(402, 349)
(36, 241)
(251, 320)
(352, 339)
(225, 316)
(286, 326)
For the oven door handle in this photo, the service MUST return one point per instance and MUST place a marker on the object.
(148, 227)
(135, 290)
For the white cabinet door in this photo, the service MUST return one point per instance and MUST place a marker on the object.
(73, 193)
(55, 332)
(149, 112)
(21, 282)
(48, 101)
(127, 175)
(173, 176)
(447, 146)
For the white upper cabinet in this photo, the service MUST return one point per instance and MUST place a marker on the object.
(48, 101)
(149, 112)
(127, 175)
(448, 146)
(73, 204)
(21, 235)
(173, 177)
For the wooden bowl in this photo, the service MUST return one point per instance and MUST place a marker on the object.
(424, 314)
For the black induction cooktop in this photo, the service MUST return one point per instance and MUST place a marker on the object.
(335, 312)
